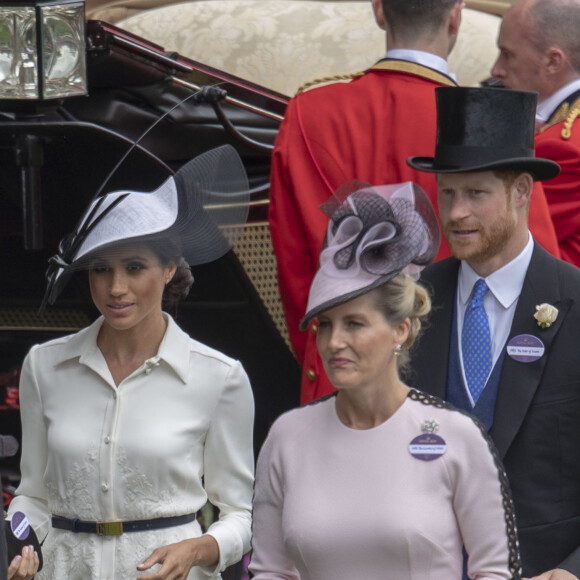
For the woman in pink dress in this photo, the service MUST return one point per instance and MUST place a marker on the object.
(378, 481)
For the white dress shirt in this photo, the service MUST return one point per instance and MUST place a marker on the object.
(175, 432)
(505, 286)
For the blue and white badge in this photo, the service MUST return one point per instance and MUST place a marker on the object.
(20, 526)
(525, 348)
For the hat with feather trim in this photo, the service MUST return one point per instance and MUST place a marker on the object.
(374, 233)
(202, 209)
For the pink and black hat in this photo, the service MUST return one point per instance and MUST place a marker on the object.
(374, 233)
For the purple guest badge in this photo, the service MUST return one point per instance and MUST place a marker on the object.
(427, 447)
(525, 348)
(20, 526)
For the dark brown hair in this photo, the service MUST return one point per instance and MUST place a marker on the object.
(416, 16)
(169, 252)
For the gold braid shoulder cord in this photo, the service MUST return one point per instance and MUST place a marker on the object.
(567, 113)
(328, 80)
(392, 65)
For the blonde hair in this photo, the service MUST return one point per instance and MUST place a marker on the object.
(400, 298)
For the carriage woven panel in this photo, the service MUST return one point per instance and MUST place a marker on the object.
(53, 319)
(255, 252)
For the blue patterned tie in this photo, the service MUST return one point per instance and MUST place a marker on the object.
(476, 342)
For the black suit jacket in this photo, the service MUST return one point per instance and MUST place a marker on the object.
(536, 424)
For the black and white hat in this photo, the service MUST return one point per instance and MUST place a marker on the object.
(202, 208)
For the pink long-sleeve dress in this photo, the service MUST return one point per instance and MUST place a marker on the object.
(395, 502)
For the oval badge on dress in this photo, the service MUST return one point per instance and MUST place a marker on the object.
(525, 348)
(427, 447)
(20, 526)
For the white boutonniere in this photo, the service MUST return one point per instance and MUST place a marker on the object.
(546, 315)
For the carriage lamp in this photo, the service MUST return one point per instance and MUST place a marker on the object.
(42, 50)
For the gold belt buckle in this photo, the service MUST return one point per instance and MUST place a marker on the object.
(109, 528)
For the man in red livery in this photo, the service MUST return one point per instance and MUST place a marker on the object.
(539, 43)
(362, 129)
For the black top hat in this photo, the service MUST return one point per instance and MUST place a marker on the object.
(479, 129)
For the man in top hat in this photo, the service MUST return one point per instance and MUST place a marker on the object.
(539, 45)
(502, 339)
(363, 128)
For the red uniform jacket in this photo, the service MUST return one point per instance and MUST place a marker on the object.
(364, 129)
(559, 140)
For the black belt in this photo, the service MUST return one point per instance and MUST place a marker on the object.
(117, 528)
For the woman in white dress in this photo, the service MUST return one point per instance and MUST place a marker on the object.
(378, 481)
(130, 426)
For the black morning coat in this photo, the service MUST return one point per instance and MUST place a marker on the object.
(536, 425)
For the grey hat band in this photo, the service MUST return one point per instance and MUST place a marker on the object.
(466, 155)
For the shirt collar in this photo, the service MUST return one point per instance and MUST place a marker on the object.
(173, 350)
(547, 107)
(83, 344)
(423, 58)
(505, 284)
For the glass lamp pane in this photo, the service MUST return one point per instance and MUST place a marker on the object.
(63, 50)
(18, 60)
